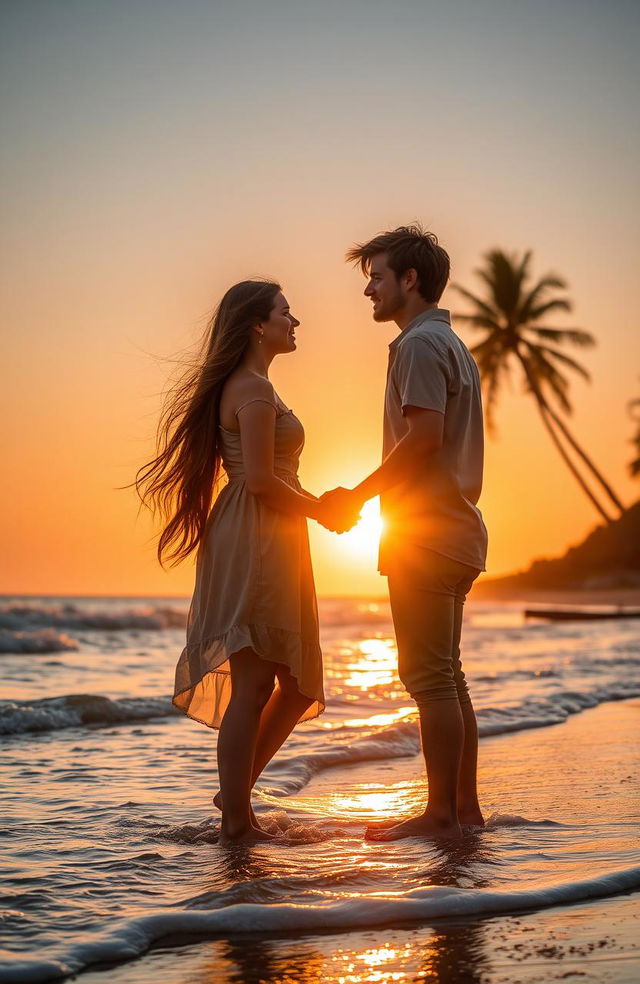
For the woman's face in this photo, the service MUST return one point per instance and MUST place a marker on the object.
(279, 331)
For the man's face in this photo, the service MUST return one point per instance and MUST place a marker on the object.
(384, 289)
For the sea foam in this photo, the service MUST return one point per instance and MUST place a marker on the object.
(42, 641)
(19, 616)
(75, 710)
(131, 938)
(394, 741)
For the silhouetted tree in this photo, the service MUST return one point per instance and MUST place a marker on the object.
(634, 411)
(510, 316)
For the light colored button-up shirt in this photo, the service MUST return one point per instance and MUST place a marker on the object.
(436, 509)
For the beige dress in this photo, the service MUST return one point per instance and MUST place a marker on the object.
(254, 587)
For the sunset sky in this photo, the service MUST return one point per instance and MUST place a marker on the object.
(155, 152)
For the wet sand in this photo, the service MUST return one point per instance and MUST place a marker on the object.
(583, 772)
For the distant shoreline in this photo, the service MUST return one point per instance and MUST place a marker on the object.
(482, 591)
(557, 596)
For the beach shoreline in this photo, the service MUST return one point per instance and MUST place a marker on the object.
(114, 791)
(590, 940)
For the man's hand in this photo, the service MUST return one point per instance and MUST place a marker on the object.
(339, 510)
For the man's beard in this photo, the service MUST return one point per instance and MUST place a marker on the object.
(387, 310)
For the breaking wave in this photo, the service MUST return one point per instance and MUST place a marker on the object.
(395, 741)
(17, 616)
(42, 641)
(75, 710)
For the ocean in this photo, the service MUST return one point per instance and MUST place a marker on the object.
(109, 834)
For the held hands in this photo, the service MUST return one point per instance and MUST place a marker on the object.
(339, 510)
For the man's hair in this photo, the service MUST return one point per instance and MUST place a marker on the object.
(408, 248)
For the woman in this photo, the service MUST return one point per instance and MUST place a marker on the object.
(252, 664)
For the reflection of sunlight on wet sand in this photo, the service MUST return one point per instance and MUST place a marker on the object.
(307, 962)
(377, 666)
(369, 965)
(376, 965)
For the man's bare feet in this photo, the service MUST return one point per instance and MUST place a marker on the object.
(252, 835)
(217, 802)
(470, 818)
(422, 826)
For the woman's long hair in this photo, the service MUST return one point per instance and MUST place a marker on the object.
(179, 483)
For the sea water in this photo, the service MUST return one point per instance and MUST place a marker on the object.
(109, 837)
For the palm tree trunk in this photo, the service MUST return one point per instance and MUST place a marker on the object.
(547, 417)
(582, 454)
(543, 410)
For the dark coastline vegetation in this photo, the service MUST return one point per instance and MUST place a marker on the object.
(608, 558)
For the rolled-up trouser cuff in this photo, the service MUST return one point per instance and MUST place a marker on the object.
(423, 697)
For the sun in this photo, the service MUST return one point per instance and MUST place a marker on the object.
(363, 539)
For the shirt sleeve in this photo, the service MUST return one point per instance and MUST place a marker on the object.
(422, 375)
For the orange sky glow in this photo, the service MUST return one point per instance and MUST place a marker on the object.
(142, 176)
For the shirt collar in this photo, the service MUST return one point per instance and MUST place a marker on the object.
(433, 314)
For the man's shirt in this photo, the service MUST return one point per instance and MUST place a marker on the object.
(431, 368)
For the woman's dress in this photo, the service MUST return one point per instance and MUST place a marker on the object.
(254, 587)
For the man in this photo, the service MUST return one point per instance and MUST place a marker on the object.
(434, 541)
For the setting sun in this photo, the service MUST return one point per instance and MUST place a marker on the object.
(364, 537)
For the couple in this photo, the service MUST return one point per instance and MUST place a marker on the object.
(252, 665)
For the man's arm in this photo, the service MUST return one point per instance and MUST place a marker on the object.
(422, 376)
(424, 438)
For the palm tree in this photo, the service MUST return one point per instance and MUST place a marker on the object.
(510, 316)
(634, 466)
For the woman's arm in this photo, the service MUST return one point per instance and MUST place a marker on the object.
(257, 422)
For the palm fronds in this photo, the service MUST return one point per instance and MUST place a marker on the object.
(509, 315)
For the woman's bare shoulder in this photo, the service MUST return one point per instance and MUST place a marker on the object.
(242, 387)
(244, 384)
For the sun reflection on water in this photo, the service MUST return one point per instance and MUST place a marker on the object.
(376, 666)
(371, 800)
(382, 720)
(367, 803)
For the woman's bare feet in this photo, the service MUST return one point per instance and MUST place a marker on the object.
(250, 835)
(472, 817)
(421, 826)
(217, 802)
